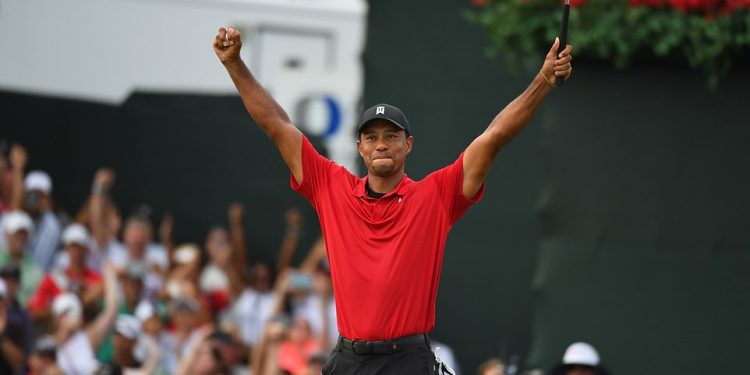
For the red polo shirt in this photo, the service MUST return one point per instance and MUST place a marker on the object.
(385, 254)
(58, 282)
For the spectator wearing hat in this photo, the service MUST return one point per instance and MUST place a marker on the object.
(137, 238)
(103, 218)
(17, 226)
(132, 288)
(43, 360)
(214, 277)
(153, 335)
(77, 278)
(15, 328)
(183, 279)
(185, 317)
(76, 342)
(580, 358)
(127, 333)
(131, 284)
(38, 203)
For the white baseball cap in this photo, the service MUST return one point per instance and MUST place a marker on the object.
(144, 311)
(17, 220)
(75, 234)
(68, 304)
(38, 180)
(128, 326)
(186, 254)
(581, 353)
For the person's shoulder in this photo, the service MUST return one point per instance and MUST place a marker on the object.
(50, 219)
(29, 266)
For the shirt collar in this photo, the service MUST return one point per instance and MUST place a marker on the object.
(360, 191)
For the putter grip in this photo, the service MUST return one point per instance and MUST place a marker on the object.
(563, 38)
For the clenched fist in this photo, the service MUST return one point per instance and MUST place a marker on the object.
(227, 45)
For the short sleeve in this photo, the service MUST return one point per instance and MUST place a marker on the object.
(41, 298)
(316, 172)
(449, 184)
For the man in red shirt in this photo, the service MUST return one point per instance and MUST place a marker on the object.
(76, 278)
(385, 233)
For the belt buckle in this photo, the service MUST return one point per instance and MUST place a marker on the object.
(365, 345)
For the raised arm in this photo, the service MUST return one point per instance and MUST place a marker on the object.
(269, 116)
(236, 271)
(98, 329)
(481, 152)
(103, 182)
(18, 159)
(293, 220)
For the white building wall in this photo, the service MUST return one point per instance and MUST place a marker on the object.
(103, 50)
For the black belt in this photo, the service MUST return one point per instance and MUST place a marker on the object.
(382, 347)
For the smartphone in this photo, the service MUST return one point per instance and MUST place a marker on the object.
(300, 281)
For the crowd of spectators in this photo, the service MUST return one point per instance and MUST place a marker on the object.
(96, 293)
(99, 293)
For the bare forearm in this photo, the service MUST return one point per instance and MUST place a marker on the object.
(16, 198)
(237, 240)
(239, 257)
(12, 353)
(288, 247)
(313, 258)
(269, 116)
(101, 325)
(509, 122)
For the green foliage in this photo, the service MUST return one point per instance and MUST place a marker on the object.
(615, 31)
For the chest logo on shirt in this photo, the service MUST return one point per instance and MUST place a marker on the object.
(380, 110)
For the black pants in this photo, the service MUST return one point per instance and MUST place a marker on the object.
(413, 360)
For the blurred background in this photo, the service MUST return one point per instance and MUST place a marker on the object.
(618, 217)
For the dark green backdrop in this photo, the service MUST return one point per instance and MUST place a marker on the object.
(619, 216)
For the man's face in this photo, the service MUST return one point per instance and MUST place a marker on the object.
(184, 320)
(132, 288)
(218, 247)
(77, 254)
(137, 235)
(383, 147)
(17, 241)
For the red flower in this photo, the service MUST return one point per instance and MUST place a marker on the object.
(732, 5)
(479, 3)
(649, 3)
